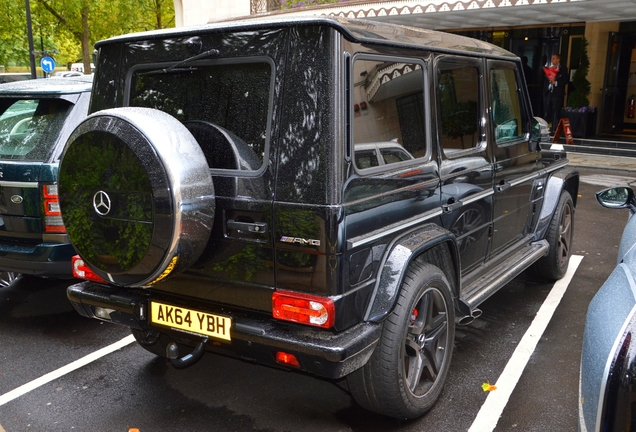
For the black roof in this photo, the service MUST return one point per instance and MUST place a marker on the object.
(355, 30)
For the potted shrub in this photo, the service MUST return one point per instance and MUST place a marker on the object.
(582, 116)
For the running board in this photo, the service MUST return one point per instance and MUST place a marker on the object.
(480, 289)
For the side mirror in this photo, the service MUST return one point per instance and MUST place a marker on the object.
(617, 198)
(540, 133)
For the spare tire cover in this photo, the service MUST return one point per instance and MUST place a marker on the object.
(136, 195)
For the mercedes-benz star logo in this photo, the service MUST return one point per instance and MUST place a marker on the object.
(101, 203)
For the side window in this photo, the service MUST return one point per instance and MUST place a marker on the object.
(506, 106)
(388, 111)
(458, 100)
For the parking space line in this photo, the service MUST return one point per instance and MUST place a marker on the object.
(13, 394)
(491, 410)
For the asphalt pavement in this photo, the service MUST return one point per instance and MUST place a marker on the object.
(132, 389)
(602, 161)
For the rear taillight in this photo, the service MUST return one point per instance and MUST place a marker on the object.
(303, 309)
(82, 271)
(52, 215)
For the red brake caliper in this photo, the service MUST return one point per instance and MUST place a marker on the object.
(414, 315)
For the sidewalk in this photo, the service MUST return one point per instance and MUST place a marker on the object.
(602, 161)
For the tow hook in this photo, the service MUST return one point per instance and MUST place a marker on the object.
(172, 352)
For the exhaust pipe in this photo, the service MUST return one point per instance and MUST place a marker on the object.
(466, 314)
(467, 319)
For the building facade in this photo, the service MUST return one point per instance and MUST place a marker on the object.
(534, 29)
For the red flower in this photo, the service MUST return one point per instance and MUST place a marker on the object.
(550, 72)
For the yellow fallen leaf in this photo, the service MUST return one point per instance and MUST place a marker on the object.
(487, 387)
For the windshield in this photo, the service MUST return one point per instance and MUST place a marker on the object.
(29, 127)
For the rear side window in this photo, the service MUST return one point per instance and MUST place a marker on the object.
(29, 128)
(388, 111)
(226, 106)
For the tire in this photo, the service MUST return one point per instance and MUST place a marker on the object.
(406, 372)
(560, 234)
(137, 195)
(8, 278)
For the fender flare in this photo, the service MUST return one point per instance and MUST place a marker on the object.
(400, 253)
(566, 179)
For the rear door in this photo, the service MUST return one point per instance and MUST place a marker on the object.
(515, 166)
(225, 97)
(466, 167)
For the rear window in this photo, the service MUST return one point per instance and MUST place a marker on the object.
(224, 104)
(29, 128)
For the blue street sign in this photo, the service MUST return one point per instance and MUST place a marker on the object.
(48, 64)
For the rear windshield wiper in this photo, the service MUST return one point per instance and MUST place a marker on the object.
(175, 67)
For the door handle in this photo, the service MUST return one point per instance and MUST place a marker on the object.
(451, 205)
(502, 186)
(247, 227)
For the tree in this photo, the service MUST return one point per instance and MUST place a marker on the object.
(582, 87)
(12, 26)
(71, 27)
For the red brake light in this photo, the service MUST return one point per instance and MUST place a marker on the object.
(82, 271)
(304, 309)
(52, 216)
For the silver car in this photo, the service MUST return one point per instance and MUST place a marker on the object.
(607, 395)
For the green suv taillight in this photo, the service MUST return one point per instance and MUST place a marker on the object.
(52, 216)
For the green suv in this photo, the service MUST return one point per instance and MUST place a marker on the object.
(36, 119)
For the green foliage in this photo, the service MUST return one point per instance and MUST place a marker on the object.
(57, 26)
(251, 259)
(579, 97)
(12, 30)
(297, 223)
(243, 265)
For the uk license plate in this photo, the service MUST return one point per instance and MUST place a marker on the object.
(189, 320)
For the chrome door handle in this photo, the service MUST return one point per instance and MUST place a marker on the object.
(451, 206)
(502, 186)
(247, 227)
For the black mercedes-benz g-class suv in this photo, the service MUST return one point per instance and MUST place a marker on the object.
(225, 195)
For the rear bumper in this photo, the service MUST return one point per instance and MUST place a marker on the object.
(319, 352)
(45, 259)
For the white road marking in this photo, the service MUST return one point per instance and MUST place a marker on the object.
(13, 394)
(496, 401)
